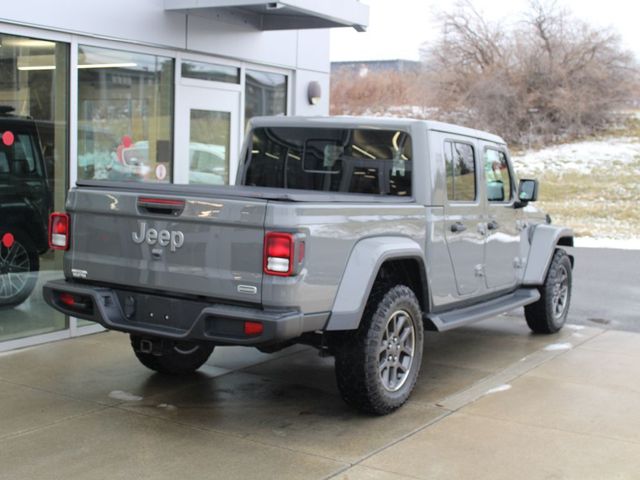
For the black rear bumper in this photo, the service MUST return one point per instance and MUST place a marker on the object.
(176, 318)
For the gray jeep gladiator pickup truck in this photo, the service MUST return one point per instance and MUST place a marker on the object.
(349, 234)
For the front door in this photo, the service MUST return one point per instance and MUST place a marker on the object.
(503, 233)
(207, 136)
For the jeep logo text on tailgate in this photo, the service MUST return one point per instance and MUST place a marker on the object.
(174, 238)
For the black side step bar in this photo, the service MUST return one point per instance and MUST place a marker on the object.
(447, 320)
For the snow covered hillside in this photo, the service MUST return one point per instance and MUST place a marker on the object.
(592, 186)
(621, 153)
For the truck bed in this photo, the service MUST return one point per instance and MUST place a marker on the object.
(235, 191)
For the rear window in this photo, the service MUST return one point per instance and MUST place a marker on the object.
(22, 157)
(345, 160)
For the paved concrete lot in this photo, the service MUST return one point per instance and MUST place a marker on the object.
(493, 401)
(606, 288)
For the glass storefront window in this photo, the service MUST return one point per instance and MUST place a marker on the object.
(125, 115)
(265, 94)
(33, 179)
(210, 72)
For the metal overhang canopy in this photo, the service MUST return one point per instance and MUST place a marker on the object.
(280, 15)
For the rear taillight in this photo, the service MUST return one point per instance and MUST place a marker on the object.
(74, 302)
(253, 328)
(279, 249)
(67, 299)
(59, 231)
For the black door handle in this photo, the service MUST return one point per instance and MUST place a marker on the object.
(458, 227)
(492, 225)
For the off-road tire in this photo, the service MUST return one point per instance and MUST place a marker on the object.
(182, 358)
(549, 313)
(359, 353)
(28, 257)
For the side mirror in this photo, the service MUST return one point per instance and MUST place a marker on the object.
(527, 192)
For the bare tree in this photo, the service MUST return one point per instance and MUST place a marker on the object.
(546, 77)
(549, 75)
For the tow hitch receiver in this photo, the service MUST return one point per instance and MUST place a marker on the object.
(153, 346)
(146, 345)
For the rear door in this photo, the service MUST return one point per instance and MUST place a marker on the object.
(464, 214)
(209, 247)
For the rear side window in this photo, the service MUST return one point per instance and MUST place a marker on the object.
(24, 154)
(4, 163)
(367, 161)
(22, 157)
(461, 171)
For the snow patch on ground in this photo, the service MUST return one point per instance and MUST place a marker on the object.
(624, 244)
(124, 396)
(582, 157)
(500, 388)
(553, 347)
(167, 406)
(572, 326)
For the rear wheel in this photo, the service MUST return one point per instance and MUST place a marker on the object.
(176, 358)
(549, 313)
(377, 365)
(19, 265)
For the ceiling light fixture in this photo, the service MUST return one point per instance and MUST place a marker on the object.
(108, 65)
(37, 67)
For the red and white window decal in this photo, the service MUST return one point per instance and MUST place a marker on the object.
(8, 138)
(8, 240)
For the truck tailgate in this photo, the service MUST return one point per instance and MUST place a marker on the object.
(176, 243)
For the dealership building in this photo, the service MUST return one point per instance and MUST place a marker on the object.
(147, 91)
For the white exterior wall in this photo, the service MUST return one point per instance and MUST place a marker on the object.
(304, 52)
(143, 21)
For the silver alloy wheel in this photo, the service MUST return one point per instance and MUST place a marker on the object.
(14, 270)
(560, 292)
(395, 355)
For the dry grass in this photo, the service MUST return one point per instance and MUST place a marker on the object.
(603, 203)
(629, 126)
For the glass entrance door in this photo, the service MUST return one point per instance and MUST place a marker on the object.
(207, 136)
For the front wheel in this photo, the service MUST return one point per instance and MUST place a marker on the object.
(178, 359)
(377, 365)
(549, 313)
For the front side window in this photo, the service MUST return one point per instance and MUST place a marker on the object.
(125, 112)
(497, 176)
(461, 171)
(345, 160)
